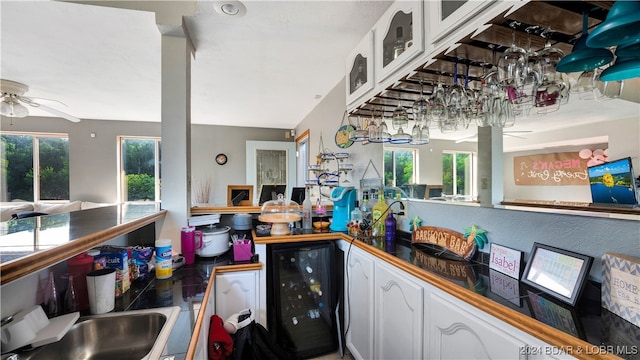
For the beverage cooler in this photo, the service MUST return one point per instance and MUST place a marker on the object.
(304, 289)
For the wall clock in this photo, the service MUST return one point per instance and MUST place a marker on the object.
(221, 159)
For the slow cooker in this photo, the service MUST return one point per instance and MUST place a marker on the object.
(215, 241)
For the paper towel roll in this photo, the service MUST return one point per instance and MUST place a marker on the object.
(23, 328)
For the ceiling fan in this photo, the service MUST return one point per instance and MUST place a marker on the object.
(13, 101)
(505, 133)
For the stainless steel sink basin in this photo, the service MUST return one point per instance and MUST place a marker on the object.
(137, 334)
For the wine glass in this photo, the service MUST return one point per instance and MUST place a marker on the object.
(438, 104)
(421, 109)
(512, 62)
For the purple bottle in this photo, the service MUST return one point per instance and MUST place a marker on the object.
(390, 227)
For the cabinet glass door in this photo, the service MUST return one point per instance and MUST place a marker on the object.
(399, 37)
(359, 69)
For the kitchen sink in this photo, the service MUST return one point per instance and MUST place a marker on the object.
(135, 334)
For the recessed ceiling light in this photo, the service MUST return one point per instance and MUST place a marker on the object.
(230, 8)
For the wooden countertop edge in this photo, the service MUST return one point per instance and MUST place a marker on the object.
(193, 342)
(202, 210)
(537, 329)
(42, 259)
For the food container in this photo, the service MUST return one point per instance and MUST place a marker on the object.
(242, 222)
(280, 213)
(215, 241)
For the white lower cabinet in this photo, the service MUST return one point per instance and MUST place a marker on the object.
(458, 334)
(399, 314)
(235, 291)
(359, 271)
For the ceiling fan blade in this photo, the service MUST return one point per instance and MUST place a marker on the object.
(515, 136)
(466, 138)
(48, 109)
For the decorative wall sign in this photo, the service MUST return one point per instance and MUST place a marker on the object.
(621, 286)
(505, 260)
(557, 272)
(505, 286)
(453, 241)
(342, 136)
(554, 169)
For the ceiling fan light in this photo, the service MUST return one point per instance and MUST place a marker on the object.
(620, 26)
(13, 109)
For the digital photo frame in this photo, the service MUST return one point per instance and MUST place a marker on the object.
(557, 272)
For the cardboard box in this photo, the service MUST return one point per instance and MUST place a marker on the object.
(118, 258)
(621, 286)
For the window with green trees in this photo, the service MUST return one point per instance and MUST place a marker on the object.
(139, 169)
(35, 167)
(459, 173)
(399, 166)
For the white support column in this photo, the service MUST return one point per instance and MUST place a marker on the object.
(490, 166)
(176, 134)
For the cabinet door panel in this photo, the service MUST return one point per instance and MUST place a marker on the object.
(359, 70)
(458, 334)
(445, 16)
(235, 292)
(399, 315)
(359, 273)
(398, 37)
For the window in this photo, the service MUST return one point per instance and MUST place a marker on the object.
(139, 169)
(399, 166)
(461, 178)
(35, 167)
(303, 158)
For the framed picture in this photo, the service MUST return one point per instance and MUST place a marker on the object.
(557, 272)
(239, 195)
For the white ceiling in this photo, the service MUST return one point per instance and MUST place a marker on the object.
(268, 68)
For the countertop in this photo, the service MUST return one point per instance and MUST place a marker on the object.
(185, 288)
(30, 244)
(587, 321)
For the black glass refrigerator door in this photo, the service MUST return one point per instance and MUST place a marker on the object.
(301, 293)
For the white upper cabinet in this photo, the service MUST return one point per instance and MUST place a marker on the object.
(445, 16)
(359, 69)
(398, 37)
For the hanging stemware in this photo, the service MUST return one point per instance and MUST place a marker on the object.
(400, 120)
(512, 61)
(438, 103)
(421, 109)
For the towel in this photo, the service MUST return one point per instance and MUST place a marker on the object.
(220, 342)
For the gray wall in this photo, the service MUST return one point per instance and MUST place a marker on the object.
(518, 229)
(93, 163)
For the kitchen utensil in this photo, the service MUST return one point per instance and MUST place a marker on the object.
(215, 241)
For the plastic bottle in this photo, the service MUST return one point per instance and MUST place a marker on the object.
(390, 227)
(378, 212)
(164, 266)
(306, 210)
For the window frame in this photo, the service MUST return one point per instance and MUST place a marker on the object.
(415, 177)
(473, 169)
(156, 169)
(35, 139)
